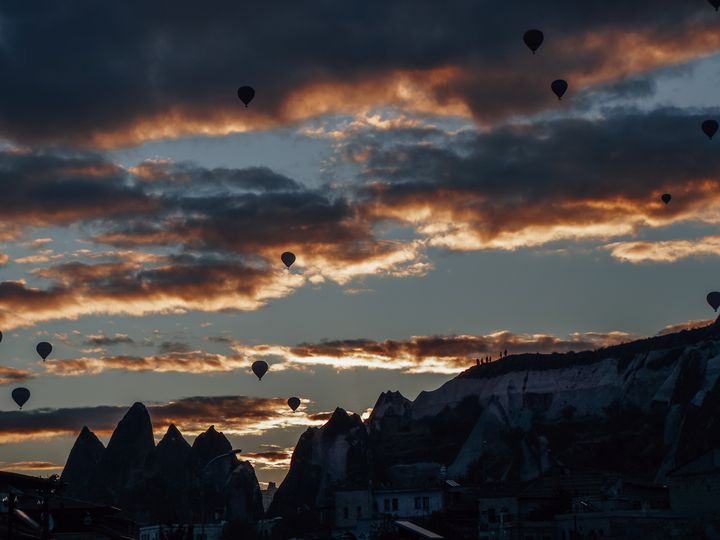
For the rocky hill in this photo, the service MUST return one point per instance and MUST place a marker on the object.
(636, 409)
(163, 483)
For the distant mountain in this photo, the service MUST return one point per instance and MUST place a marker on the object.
(167, 483)
(635, 409)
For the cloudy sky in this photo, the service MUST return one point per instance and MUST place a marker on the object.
(443, 204)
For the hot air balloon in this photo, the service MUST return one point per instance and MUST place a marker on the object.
(559, 87)
(246, 94)
(713, 299)
(710, 128)
(43, 349)
(288, 258)
(666, 197)
(294, 403)
(20, 396)
(260, 368)
(715, 4)
(0, 336)
(533, 39)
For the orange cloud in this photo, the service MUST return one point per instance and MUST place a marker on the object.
(419, 354)
(234, 415)
(686, 325)
(10, 375)
(665, 250)
(270, 456)
(28, 466)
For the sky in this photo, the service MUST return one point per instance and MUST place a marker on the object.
(442, 203)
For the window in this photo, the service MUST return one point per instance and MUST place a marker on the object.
(492, 517)
(359, 512)
(395, 505)
(417, 503)
(386, 505)
(426, 503)
(345, 512)
(375, 506)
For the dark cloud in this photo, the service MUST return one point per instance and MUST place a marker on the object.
(172, 176)
(513, 187)
(533, 184)
(204, 283)
(105, 341)
(221, 339)
(50, 188)
(442, 354)
(134, 71)
(173, 347)
(232, 414)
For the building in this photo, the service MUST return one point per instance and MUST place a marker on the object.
(539, 510)
(268, 494)
(627, 524)
(70, 519)
(357, 511)
(195, 531)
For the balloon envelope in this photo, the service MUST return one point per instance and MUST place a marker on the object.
(715, 4)
(260, 368)
(559, 87)
(43, 349)
(534, 38)
(20, 396)
(666, 197)
(714, 300)
(246, 94)
(710, 128)
(288, 258)
(294, 403)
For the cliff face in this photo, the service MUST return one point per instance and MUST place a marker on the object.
(168, 483)
(634, 409)
(337, 454)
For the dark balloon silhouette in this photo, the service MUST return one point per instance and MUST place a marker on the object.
(20, 396)
(288, 258)
(294, 403)
(559, 87)
(666, 197)
(533, 39)
(715, 4)
(246, 94)
(43, 349)
(710, 128)
(260, 368)
(0, 336)
(714, 300)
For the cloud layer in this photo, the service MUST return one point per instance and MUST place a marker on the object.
(234, 415)
(126, 78)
